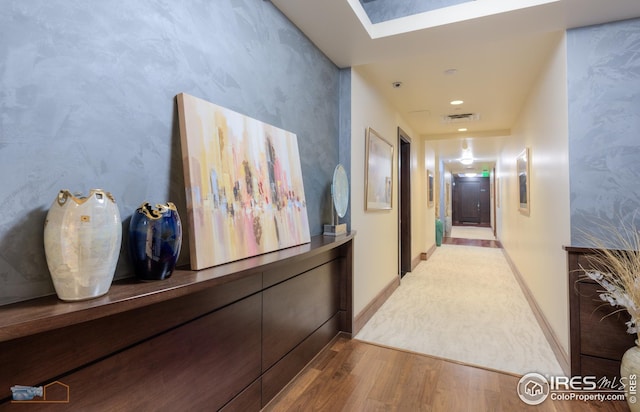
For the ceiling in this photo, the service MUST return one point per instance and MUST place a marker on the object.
(497, 48)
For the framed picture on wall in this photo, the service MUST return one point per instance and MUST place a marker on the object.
(378, 172)
(523, 166)
(430, 188)
(447, 199)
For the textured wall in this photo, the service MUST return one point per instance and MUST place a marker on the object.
(603, 64)
(345, 132)
(87, 101)
(383, 10)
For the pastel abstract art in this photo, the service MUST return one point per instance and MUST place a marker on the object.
(243, 179)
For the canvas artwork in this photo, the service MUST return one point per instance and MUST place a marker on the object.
(243, 180)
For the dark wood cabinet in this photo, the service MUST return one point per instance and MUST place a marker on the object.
(294, 309)
(598, 335)
(229, 337)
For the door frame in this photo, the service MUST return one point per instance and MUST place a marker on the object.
(404, 203)
(456, 205)
(493, 201)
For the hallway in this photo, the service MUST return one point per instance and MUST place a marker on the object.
(464, 304)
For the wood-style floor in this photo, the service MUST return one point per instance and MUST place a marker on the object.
(351, 375)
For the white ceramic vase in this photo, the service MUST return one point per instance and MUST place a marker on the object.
(82, 237)
(630, 373)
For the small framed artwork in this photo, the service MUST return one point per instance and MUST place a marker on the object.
(523, 168)
(378, 172)
(429, 188)
(447, 199)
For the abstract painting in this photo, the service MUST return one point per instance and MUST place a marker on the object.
(243, 184)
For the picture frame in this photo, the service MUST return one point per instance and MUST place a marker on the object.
(378, 172)
(447, 199)
(430, 189)
(523, 175)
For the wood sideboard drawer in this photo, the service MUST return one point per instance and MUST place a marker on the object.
(598, 321)
(294, 309)
(599, 367)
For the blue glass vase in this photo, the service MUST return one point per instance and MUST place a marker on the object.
(155, 238)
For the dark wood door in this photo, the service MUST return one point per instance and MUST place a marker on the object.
(472, 200)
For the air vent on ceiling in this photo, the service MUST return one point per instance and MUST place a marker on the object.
(460, 117)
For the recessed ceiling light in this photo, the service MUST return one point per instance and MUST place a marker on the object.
(396, 85)
(462, 129)
(456, 102)
(450, 71)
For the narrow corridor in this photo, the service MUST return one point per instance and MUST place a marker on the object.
(464, 304)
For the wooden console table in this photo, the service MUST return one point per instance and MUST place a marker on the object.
(598, 338)
(228, 337)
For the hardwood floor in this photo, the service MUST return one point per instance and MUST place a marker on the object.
(351, 375)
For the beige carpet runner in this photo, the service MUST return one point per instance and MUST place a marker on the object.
(464, 304)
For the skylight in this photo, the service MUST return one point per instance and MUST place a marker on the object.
(384, 10)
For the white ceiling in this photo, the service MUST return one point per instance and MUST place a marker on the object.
(497, 47)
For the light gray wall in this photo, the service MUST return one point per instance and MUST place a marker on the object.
(87, 101)
(603, 70)
(383, 10)
(345, 131)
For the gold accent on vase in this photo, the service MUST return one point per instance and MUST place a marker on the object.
(63, 195)
(79, 199)
(157, 213)
(110, 196)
